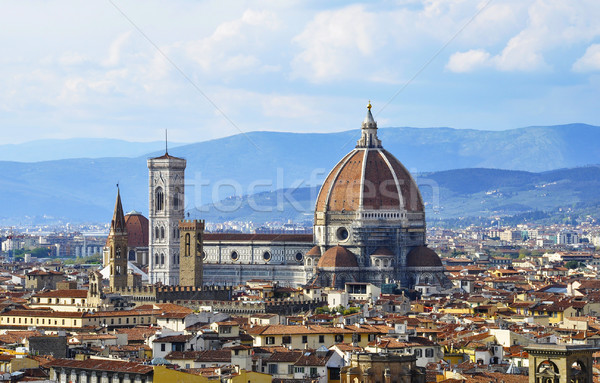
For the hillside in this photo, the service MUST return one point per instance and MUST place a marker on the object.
(84, 189)
(454, 196)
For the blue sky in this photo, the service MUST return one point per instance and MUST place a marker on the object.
(95, 69)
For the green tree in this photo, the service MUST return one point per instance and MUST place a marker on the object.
(572, 264)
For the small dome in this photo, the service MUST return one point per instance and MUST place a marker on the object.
(422, 256)
(337, 256)
(316, 250)
(137, 230)
(382, 250)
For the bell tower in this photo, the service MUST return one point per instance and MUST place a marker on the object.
(191, 267)
(117, 248)
(166, 209)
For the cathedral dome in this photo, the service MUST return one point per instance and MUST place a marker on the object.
(369, 178)
(137, 229)
(337, 256)
(422, 256)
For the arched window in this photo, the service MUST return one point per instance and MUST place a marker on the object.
(156, 259)
(176, 199)
(156, 233)
(118, 252)
(162, 233)
(187, 245)
(132, 255)
(162, 259)
(159, 199)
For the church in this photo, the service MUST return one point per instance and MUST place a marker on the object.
(369, 226)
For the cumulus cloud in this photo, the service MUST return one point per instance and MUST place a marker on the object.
(590, 61)
(468, 61)
(550, 26)
(335, 42)
(234, 45)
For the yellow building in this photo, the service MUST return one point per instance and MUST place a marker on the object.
(314, 336)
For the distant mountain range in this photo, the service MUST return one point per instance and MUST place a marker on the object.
(83, 189)
(54, 149)
(461, 196)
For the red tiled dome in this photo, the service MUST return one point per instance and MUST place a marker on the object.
(337, 256)
(315, 250)
(422, 256)
(369, 178)
(137, 229)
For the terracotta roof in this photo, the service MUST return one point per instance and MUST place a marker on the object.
(337, 256)
(315, 250)
(422, 256)
(43, 272)
(167, 156)
(314, 358)
(43, 313)
(62, 294)
(173, 339)
(102, 365)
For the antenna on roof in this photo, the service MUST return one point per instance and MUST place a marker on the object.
(166, 143)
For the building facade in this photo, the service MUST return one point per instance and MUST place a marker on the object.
(369, 226)
(166, 209)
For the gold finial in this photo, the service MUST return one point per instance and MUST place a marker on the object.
(369, 106)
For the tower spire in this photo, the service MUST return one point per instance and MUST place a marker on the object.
(369, 137)
(117, 224)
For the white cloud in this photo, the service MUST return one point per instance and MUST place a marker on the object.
(335, 44)
(550, 27)
(114, 52)
(461, 62)
(235, 45)
(590, 61)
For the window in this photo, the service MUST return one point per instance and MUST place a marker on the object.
(132, 255)
(286, 339)
(270, 340)
(339, 338)
(313, 372)
(163, 347)
(418, 352)
(290, 369)
(299, 370)
(272, 369)
(304, 338)
(162, 233)
(429, 353)
(176, 199)
(159, 199)
(118, 252)
(334, 373)
(187, 245)
(321, 338)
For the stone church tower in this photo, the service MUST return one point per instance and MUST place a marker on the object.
(117, 248)
(166, 198)
(191, 267)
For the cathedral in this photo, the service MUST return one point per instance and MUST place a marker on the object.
(369, 226)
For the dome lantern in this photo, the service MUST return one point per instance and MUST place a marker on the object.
(369, 137)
